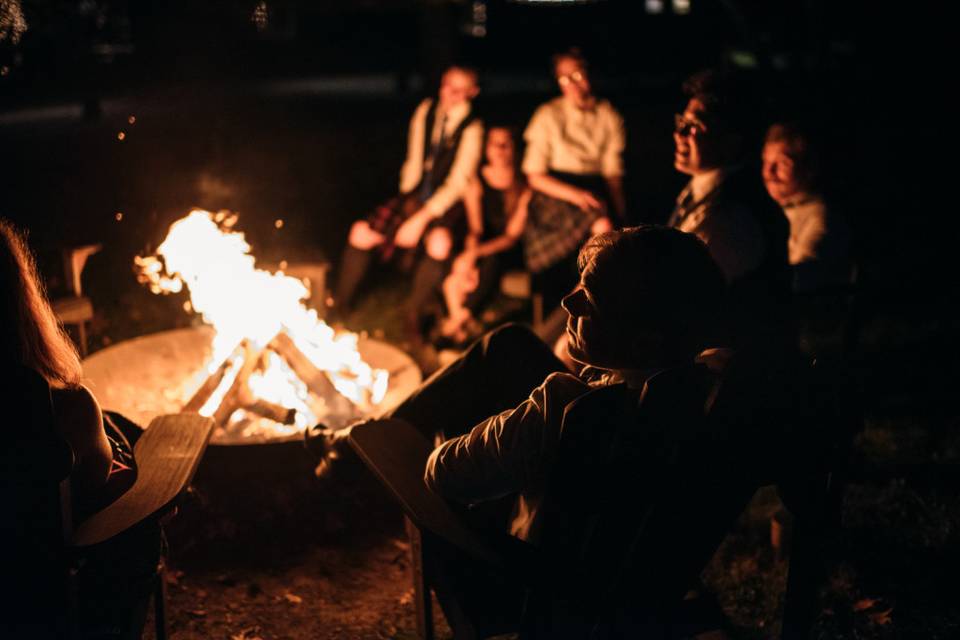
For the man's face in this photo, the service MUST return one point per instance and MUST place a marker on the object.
(779, 175)
(584, 327)
(457, 87)
(573, 81)
(696, 147)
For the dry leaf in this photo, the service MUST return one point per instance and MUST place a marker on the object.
(198, 613)
(407, 597)
(293, 599)
(882, 617)
(172, 577)
(864, 604)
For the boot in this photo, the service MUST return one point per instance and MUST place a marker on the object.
(426, 283)
(353, 266)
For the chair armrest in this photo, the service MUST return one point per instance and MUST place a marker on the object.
(397, 455)
(168, 454)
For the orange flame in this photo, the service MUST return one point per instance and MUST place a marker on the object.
(240, 301)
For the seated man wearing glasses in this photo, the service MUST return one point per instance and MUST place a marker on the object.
(573, 163)
(724, 203)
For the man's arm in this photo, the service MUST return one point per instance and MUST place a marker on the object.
(412, 169)
(507, 452)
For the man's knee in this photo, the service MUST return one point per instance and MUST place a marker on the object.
(511, 340)
(438, 244)
(363, 237)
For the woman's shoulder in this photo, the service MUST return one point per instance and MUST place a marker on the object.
(77, 413)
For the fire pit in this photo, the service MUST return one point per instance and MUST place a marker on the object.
(263, 365)
(157, 374)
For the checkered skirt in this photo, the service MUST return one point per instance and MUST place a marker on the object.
(554, 230)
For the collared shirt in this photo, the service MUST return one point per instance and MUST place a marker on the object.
(808, 228)
(819, 245)
(464, 164)
(732, 235)
(562, 137)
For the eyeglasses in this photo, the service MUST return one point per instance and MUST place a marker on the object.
(684, 126)
(576, 76)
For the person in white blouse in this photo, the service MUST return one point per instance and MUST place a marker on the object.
(574, 164)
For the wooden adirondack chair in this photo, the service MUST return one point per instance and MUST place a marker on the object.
(614, 561)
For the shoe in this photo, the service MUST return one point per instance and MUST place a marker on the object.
(329, 450)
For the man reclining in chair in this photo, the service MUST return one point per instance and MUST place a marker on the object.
(562, 448)
(621, 480)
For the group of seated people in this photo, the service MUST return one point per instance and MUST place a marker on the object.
(655, 312)
(464, 219)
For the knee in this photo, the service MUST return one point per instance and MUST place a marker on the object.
(363, 237)
(601, 225)
(438, 244)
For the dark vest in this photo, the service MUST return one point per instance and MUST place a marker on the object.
(443, 154)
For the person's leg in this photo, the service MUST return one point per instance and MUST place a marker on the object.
(496, 373)
(489, 271)
(431, 269)
(355, 261)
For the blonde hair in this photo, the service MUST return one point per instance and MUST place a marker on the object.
(32, 335)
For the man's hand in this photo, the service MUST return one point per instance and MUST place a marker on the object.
(408, 235)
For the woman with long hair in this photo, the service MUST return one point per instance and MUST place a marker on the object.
(496, 204)
(115, 578)
(33, 338)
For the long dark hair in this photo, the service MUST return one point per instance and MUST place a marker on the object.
(31, 335)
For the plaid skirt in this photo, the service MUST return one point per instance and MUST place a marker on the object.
(555, 229)
(386, 219)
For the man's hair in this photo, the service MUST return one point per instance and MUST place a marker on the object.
(659, 279)
(803, 147)
(463, 68)
(729, 98)
(574, 54)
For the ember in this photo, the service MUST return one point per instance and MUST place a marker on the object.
(276, 368)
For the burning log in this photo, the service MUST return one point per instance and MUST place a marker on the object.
(272, 410)
(315, 379)
(201, 395)
(239, 395)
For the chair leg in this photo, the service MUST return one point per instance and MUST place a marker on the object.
(82, 335)
(160, 602)
(421, 590)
